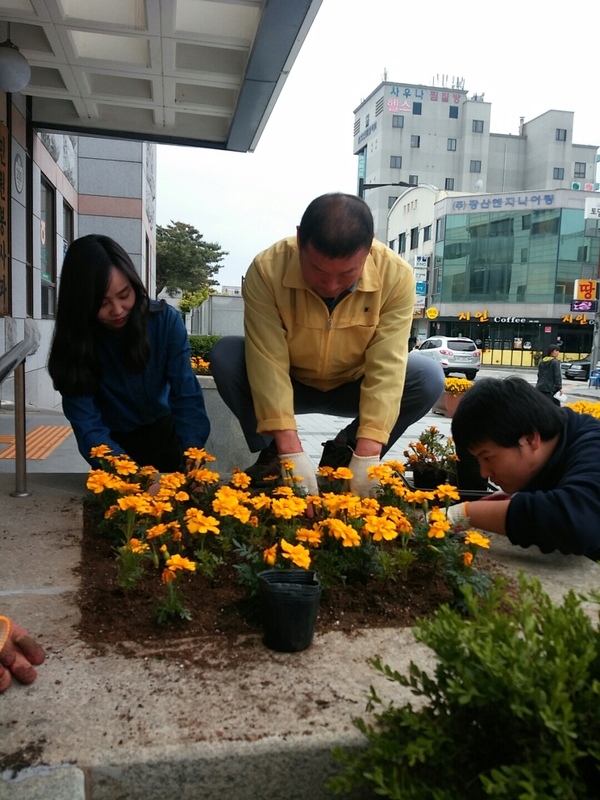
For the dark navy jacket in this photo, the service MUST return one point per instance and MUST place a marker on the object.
(127, 400)
(560, 508)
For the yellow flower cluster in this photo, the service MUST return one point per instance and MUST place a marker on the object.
(586, 407)
(199, 365)
(458, 385)
(165, 517)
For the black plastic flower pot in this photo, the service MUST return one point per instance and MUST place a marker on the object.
(289, 602)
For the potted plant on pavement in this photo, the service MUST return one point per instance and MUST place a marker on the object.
(453, 392)
(432, 459)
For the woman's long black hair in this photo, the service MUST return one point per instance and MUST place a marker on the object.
(73, 363)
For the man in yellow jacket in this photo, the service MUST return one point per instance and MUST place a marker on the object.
(327, 318)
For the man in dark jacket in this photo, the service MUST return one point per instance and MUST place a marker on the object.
(544, 459)
(549, 380)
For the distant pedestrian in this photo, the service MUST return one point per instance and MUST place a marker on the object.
(412, 343)
(549, 380)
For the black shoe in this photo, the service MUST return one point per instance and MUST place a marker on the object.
(335, 455)
(265, 473)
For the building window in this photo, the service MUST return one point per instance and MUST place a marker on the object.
(68, 224)
(395, 162)
(413, 180)
(524, 255)
(392, 199)
(449, 184)
(440, 229)
(414, 238)
(415, 141)
(397, 121)
(477, 126)
(401, 243)
(392, 244)
(453, 112)
(558, 173)
(526, 222)
(451, 144)
(367, 121)
(475, 166)
(579, 169)
(561, 135)
(427, 233)
(417, 108)
(47, 247)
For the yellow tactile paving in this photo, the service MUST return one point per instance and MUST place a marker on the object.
(39, 442)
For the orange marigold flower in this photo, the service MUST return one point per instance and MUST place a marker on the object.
(467, 558)
(270, 555)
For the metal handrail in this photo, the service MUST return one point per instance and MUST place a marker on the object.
(14, 360)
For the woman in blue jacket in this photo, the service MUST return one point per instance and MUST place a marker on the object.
(122, 362)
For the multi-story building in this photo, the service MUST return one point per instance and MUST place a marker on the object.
(410, 134)
(501, 268)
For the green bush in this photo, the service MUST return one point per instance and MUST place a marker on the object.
(512, 711)
(200, 345)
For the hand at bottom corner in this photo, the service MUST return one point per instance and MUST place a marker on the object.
(19, 652)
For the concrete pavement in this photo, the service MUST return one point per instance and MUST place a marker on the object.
(245, 723)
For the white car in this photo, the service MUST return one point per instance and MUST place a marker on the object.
(454, 353)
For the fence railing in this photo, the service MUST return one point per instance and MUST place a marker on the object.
(14, 361)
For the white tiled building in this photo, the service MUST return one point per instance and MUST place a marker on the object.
(441, 136)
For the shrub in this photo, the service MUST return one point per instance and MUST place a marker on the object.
(200, 345)
(511, 712)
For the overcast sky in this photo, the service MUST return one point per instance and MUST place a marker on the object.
(528, 56)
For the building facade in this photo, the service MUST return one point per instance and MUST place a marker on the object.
(501, 268)
(413, 134)
(54, 188)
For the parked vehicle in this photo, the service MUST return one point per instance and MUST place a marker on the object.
(454, 353)
(579, 370)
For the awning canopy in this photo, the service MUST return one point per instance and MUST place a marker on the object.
(205, 73)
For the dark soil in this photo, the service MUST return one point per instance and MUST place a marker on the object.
(221, 609)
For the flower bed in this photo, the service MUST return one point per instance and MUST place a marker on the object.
(190, 532)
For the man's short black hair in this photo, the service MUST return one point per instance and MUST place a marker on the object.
(503, 410)
(337, 225)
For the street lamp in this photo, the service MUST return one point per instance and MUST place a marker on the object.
(362, 186)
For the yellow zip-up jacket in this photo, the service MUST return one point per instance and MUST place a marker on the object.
(289, 331)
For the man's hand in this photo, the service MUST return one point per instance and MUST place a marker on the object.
(360, 483)
(18, 653)
(304, 471)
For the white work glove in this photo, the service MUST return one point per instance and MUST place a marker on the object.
(458, 513)
(360, 484)
(304, 468)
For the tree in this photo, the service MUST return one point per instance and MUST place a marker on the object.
(184, 260)
(191, 300)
